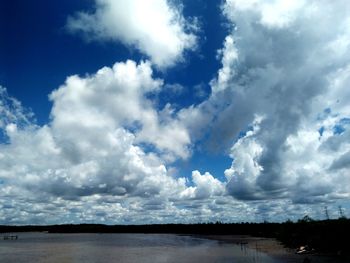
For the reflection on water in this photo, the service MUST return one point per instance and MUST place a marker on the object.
(123, 248)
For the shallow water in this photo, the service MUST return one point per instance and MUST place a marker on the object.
(124, 248)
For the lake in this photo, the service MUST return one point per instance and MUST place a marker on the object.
(124, 248)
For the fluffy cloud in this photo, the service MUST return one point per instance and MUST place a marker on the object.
(279, 101)
(155, 27)
(271, 14)
(278, 106)
(12, 112)
(91, 143)
(205, 186)
(107, 145)
(116, 97)
(287, 62)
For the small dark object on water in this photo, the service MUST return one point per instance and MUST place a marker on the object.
(307, 260)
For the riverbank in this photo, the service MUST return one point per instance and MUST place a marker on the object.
(326, 238)
(274, 248)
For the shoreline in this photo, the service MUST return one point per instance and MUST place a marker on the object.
(273, 248)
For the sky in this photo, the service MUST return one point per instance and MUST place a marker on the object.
(178, 111)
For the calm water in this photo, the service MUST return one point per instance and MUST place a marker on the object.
(123, 248)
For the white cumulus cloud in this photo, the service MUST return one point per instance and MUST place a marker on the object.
(155, 27)
(279, 101)
(106, 141)
(278, 107)
(282, 62)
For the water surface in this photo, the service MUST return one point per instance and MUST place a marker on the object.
(124, 248)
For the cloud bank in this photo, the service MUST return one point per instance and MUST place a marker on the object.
(285, 71)
(278, 107)
(156, 28)
(106, 144)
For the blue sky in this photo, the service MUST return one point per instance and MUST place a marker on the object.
(173, 111)
(38, 49)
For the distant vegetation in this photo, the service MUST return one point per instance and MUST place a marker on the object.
(326, 236)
